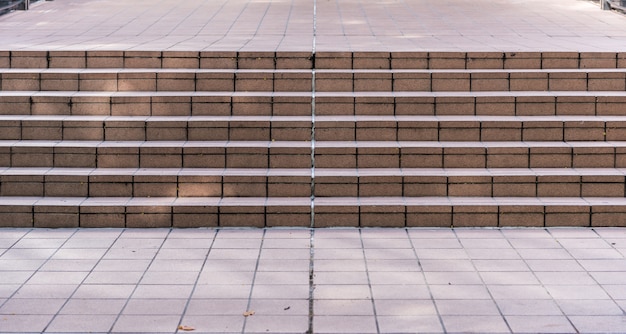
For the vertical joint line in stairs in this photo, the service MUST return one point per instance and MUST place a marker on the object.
(313, 114)
(310, 329)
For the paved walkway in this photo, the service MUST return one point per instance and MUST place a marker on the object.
(327, 25)
(559, 280)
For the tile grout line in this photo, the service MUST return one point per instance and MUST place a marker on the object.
(430, 293)
(541, 284)
(195, 285)
(471, 260)
(310, 329)
(256, 270)
(369, 282)
(79, 285)
(130, 296)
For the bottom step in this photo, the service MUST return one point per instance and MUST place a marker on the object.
(306, 212)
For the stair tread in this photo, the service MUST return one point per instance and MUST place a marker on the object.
(396, 94)
(319, 201)
(318, 118)
(319, 172)
(307, 144)
(15, 70)
(190, 119)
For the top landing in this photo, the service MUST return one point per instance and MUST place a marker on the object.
(315, 25)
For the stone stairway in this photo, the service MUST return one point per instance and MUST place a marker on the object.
(187, 139)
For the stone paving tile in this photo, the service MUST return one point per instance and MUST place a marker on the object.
(467, 307)
(418, 324)
(599, 324)
(146, 323)
(214, 323)
(528, 307)
(21, 323)
(114, 277)
(153, 306)
(277, 324)
(349, 307)
(32, 306)
(539, 324)
(169, 278)
(518, 292)
(79, 323)
(474, 323)
(345, 324)
(97, 305)
(509, 278)
(589, 307)
(281, 307)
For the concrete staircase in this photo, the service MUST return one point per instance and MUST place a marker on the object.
(187, 139)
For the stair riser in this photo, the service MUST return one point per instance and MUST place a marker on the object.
(156, 131)
(330, 130)
(564, 157)
(471, 131)
(217, 105)
(157, 157)
(325, 186)
(470, 82)
(327, 216)
(302, 81)
(228, 105)
(300, 157)
(154, 186)
(303, 60)
(538, 105)
(155, 82)
(147, 217)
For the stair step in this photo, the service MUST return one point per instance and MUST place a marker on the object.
(155, 182)
(155, 154)
(414, 154)
(470, 128)
(120, 80)
(159, 128)
(323, 60)
(301, 80)
(332, 211)
(528, 103)
(328, 154)
(470, 80)
(298, 128)
(297, 182)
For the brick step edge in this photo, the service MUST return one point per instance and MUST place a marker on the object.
(328, 212)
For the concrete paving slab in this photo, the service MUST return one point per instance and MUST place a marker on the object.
(328, 291)
(320, 25)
